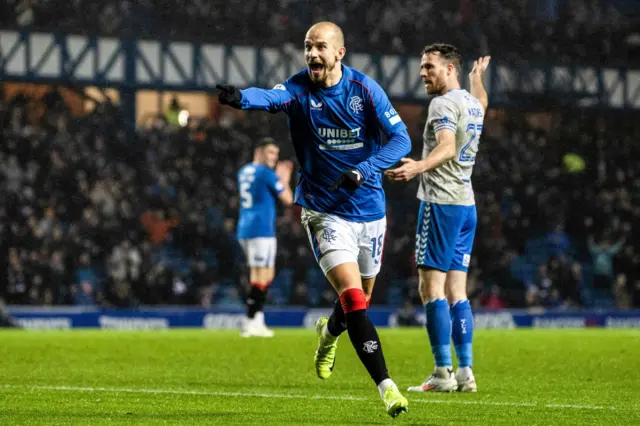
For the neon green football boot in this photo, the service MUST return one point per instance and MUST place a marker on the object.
(395, 402)
(325, 357)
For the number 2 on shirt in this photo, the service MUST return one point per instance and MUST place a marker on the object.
(474, 131)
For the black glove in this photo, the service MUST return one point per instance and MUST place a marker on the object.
(229, 95)
(349, 180)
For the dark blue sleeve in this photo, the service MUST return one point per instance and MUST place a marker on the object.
(273, 100)
(399, 144)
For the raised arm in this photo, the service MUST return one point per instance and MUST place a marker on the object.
(476, 88)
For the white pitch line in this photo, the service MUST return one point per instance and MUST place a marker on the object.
(292, 396)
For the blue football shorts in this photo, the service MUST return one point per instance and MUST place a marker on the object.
(444, 236)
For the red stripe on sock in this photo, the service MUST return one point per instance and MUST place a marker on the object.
(353, 299)
(261, 286)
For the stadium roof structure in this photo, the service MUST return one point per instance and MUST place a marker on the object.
(132, 65)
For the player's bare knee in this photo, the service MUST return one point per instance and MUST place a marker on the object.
(456, 293)
(270, 275)
(431, 284)
(262, 275)
(454, 299)
(456, 286)
(456, 296)
(447, 293)
(434, 291)
(345, 276)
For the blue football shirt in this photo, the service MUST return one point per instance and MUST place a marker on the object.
(259, 189)
(334, 129)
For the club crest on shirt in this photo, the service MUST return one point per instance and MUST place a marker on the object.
(355, 104)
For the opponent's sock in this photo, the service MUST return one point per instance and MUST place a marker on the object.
(439, 330)
(363, 334)
(337, 323)
(256, 299)
(462, 332)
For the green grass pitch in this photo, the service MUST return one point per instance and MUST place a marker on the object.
(525, 377)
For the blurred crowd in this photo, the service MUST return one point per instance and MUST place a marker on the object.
(527, 30)
(91, 216)
(559, 210)
(558, 198)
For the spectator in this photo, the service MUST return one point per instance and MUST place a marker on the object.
(602, 255)
(157, 226)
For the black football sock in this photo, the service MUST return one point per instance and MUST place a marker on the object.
(363, 334)
(337, 321)
(256, 299)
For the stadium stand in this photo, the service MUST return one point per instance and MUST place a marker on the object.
(587, 31)
(552, 200)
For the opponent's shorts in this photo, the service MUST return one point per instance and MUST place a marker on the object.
(260, 252)
(335, 241)
(444, 236)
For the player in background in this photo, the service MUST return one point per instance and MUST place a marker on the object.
(260, 186)
(336, 117)
(447, 216)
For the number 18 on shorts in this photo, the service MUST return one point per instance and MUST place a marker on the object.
(444, 236)
(335, 241)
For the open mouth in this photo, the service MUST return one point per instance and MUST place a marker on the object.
(316, 68)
